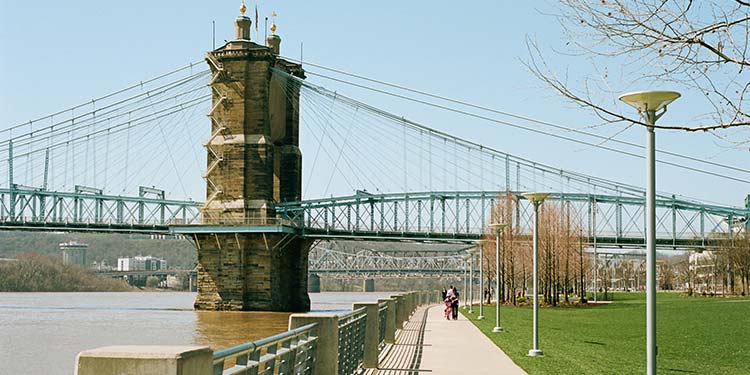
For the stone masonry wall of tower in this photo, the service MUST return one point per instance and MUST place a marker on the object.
(253, 163)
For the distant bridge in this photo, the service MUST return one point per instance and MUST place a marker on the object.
(142, 273)
(368, 264)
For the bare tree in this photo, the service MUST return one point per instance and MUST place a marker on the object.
(686, 272)
(739, 255)
(666, 275)
(699, 45)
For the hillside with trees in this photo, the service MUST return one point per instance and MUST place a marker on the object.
(179, 253)
(37, 273)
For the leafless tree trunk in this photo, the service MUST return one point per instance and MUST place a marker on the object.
(582, 287)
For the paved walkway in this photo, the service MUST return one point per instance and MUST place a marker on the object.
(429, 344)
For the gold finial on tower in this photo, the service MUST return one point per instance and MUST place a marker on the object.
(243, 8)
(273, 22)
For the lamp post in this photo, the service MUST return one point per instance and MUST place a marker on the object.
(466, 279)
(471, 280)
(536, 199)
(498, 230)
(648, 103)
(480, 248)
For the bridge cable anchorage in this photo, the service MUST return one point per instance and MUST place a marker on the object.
(505, 113)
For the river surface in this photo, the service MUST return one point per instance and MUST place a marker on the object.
(41, 333)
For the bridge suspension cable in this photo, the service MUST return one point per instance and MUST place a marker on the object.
(602, 138)
(378, 144)
(148, 134)
(107, 96)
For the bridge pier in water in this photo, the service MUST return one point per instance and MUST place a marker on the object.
(247, 258)
(256, 272)
(368, 285)
(313, 283)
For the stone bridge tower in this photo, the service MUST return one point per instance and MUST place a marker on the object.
(248, 260)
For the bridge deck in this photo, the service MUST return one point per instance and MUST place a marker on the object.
(430, 344)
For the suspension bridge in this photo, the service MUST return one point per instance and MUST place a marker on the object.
(134, 160)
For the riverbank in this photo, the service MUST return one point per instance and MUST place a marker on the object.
(36, 273)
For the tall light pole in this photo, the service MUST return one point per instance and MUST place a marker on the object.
(596, 255)
(536, 199)
(466, 280)
(480, 248)
(498, 230)
(471, 280)
(648, 103)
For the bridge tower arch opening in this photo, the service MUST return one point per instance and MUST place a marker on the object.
(247, 258)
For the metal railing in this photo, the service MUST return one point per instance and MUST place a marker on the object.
(291, 352)
(352, 341)
(311, 349)
(86, 206)
(382, 316)
(94, 221)
(244, 221)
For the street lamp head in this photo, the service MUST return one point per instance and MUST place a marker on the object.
(498, 227)
(649, 101)
(535, 197)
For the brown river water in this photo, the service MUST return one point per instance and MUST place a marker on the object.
(41, 333)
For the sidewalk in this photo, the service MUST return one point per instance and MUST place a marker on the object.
(430, 344)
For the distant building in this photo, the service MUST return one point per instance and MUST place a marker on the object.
(174, 282)
(123, 264)
(101, 266)
(703, 266)
(74, 253)
(141, 263)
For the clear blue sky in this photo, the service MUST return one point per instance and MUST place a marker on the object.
(58, 54)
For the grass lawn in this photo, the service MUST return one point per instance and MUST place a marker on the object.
(695, 335)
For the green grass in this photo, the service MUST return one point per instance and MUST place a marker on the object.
(695, 335)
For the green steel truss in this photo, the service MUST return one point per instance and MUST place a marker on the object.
(452, 216)
(88, 209)
(463, 216)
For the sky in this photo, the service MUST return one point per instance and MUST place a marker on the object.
(54, 55)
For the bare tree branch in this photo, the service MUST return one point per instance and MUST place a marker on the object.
(699, 45)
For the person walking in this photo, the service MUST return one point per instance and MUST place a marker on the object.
(454, 304)
(448, 300)
(444, 293)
